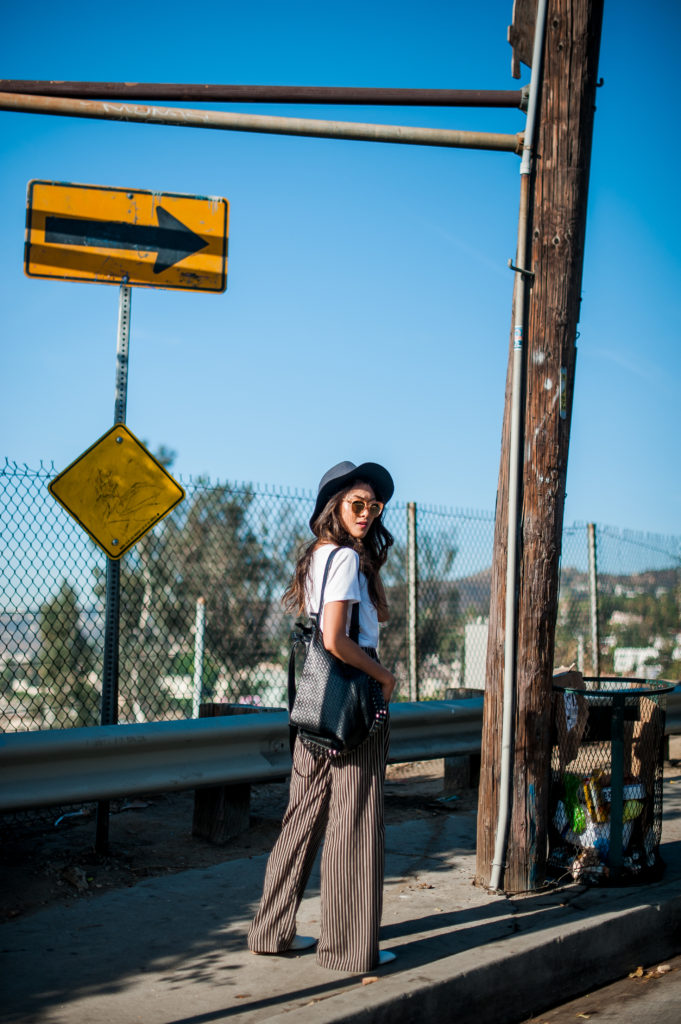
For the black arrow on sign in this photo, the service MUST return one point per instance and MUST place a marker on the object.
(171, 240)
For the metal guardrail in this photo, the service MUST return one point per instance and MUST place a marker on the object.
(40, 769)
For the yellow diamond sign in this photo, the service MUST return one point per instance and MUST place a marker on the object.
(116, 490)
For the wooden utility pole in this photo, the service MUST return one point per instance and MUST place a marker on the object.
(558, 202)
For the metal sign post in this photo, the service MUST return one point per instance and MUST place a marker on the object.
(109, 712)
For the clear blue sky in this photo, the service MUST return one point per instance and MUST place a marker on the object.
(367, 312)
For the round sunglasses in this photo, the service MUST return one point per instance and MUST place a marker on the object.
(374, 508)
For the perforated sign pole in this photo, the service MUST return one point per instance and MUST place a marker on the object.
(109, 712)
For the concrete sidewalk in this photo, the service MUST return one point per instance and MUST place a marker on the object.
(172, 950)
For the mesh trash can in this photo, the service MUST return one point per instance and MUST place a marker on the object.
(606, 781)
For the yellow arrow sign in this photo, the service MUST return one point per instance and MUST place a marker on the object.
(123, 236)
(116, 490)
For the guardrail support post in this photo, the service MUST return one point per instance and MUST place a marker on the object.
(461, 771)
(222, 812)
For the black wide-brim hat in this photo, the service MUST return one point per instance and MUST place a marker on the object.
(341, 476)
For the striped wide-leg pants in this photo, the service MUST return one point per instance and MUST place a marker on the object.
(340, 801)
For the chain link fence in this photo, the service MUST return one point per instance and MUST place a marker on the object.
(201, 616)
(619, 610)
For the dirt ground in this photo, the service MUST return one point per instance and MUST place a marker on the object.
(50, 858)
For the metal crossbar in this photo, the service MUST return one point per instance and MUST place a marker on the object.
(214, 93)
(228, 121)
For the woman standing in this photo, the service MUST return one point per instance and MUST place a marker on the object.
(338, 799)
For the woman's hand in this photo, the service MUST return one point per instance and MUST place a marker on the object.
(388, 686)
(339, 643)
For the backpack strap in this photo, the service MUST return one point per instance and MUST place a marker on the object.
(354, 623)
(329, 560)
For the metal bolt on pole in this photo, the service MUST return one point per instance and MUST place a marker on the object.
(109, 712)
(412, 601)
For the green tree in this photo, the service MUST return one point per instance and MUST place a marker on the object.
(65, 662)
(216, 551)
(144, 655)
(236, 551)
(439, 626)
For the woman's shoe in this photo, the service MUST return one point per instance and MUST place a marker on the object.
(385, 957)
(299, 943)
(302, 942)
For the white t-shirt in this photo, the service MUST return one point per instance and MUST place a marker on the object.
(344, 583)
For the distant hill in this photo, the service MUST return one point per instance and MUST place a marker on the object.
(649, 582)
(475, 591)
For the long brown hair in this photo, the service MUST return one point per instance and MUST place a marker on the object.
(328, 528)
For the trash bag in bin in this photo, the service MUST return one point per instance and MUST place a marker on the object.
(606, 781)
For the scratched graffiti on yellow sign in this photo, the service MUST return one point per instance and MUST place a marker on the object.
(126, 236)
(116, 490)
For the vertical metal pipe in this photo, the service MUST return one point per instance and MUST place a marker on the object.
(515, 457)
(514, 499)
(412, 601)
(513, 527)
(109, 712)
(199, 633)
(593, 601)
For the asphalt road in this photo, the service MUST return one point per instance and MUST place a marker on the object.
(653, 998)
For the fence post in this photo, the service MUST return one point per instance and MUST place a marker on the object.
(199, 633)
(412, 601)
(580, 652)
(593, 600)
